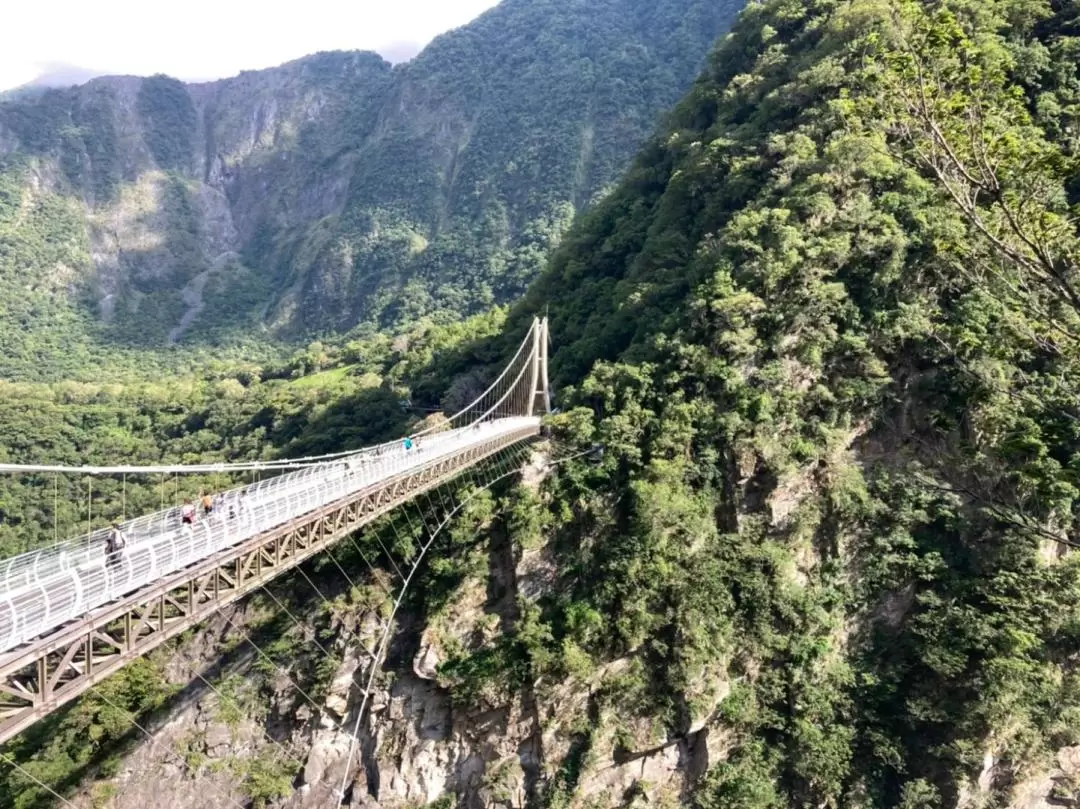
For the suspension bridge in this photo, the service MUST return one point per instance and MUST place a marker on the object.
(71, 614)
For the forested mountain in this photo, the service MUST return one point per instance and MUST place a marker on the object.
(334, 190)
(826, 331)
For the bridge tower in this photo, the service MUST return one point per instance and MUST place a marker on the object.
(541, 339)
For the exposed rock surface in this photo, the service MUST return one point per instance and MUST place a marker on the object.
(346, 183)
(415, 744)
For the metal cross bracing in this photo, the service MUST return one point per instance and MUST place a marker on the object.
(39, 677)
(70, 617)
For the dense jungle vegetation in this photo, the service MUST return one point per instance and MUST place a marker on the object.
(826, 330)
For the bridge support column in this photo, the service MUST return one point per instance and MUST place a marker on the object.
(535, 375)
(545, 339)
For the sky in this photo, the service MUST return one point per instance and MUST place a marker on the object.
(210, 39)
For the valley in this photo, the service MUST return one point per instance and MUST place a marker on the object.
(799, 530)
(336, 192)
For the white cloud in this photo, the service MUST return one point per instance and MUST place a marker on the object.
(205, 39)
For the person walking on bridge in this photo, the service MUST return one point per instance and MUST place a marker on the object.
(208, 503)
(238, 507)
(187, 513)
(114, 545)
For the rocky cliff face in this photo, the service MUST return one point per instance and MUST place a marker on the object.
(175, 179)
(338, 189)
(242, 729)
(270, 724)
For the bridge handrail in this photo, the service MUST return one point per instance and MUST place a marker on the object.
(23, 566)
(64, 594)
(53, 583)
(26, 569)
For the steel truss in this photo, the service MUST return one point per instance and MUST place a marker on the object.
(54, 669)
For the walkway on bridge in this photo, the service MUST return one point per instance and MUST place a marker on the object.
(69, 617)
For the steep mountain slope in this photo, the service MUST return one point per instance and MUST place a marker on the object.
(336, 189)
(114, 211)
(826, 331)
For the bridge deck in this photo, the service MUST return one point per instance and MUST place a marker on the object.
(149, 604)
(45, 589)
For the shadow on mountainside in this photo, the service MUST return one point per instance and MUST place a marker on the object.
(371, 416)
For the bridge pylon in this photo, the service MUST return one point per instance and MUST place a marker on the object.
(540, 386)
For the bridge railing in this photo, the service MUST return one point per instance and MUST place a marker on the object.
(70, 581)
(505, 397)
(42, 589)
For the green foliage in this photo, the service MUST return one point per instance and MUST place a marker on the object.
(169, 118)
(236, 701)
(747, 780)
(825, 330)
(102, 795)
(43, 231)
(445, 802)
(488, 201)
(560, 791)
(267, 779)
(334, 190)
(87, 735)
(490, 674)
(48, 324)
